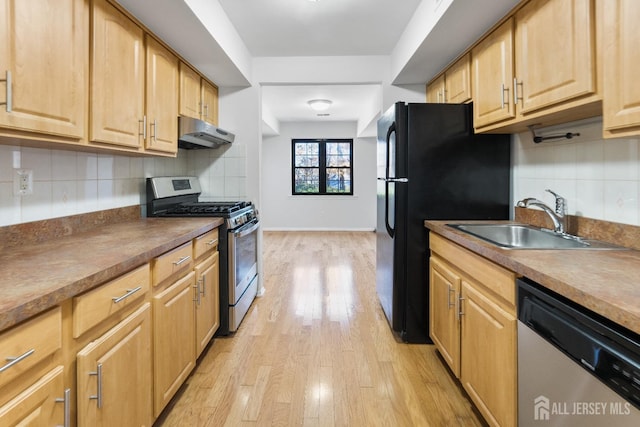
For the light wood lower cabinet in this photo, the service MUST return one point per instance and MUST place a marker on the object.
(207, 301)
(173, 339)
(114, 375)
(45, 403)
(474, 326)
(444, 288)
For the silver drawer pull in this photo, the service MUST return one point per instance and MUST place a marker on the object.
(181, 260)
(67, 407)
(212, 242)
(127, 295)
(15, 360)
(98, 395)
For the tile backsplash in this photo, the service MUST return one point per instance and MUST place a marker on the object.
(69, 182)
(599, 178)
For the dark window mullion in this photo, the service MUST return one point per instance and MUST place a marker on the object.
(323, 166)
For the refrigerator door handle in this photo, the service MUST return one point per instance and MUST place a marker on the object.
(394, 179)
(390, 230)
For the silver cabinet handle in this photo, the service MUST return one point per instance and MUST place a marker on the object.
(502, 102)
(204, 282)
(128, 294)
(98, 395)
(460, 312)
(15, 360)
(67, 407)
(206, 111)
(144, 127)
(181, 260)
(8, 102)
(154, 125)
(515, 91)
(212, 242)
(196, 299)
(449, 303)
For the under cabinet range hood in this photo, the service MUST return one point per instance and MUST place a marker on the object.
(196, 134)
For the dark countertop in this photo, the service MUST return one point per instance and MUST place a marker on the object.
(35, 277)
(604, 281)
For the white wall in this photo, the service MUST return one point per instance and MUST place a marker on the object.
(282, 211)
(599, 178)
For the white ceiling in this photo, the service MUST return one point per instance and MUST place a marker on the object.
(294, 28)
(320, 28)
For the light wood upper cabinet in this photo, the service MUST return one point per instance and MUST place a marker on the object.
(458, 81)
(114, 375)
(621, 101)
(162, 98)
(189, 92)
(436, 91)
(492, 68)
(198, 97)
(118, 78)
(554, 52)
(209, 103)
(44, 51)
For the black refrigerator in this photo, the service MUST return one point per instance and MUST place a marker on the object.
(430, 165)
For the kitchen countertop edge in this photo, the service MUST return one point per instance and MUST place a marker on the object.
(538, 266)
(97, 263)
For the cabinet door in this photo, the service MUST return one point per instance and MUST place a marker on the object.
(458, 81)
(436, 91)
(162, 98)
(114, 375)
(42, 404)
(174, 336)
(209, 103)
(555, 51)
(117, 83)
(492, 70)
(207, 301)
(444, 289)
(621, 100)
(44, 48)
(489, 356)
(189, 92)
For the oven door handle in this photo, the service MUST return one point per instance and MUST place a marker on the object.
(246, 229)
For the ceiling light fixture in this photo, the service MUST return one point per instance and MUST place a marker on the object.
(319, 104)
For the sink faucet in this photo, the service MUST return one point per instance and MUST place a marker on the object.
(556, 216)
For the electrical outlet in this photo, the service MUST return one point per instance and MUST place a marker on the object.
(22, 182)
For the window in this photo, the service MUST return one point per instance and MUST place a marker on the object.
(322, 166)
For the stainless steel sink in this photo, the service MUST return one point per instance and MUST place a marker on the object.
(518, 236)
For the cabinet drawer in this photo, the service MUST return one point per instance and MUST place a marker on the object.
(93, 307)
(172, 263)
(205, 244)
(499, 281)
(29, 343)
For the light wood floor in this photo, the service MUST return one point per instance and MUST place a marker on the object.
(316, 350)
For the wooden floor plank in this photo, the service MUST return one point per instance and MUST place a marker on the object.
(317, 350)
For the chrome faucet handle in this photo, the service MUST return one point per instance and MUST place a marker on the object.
(525, 202)
(561, 203)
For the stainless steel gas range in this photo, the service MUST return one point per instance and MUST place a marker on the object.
(179, 197)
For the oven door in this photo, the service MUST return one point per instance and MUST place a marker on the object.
(243, 259)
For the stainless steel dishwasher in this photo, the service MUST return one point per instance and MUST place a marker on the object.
(575, 368)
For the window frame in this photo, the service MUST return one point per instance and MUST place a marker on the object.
(322, 165)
